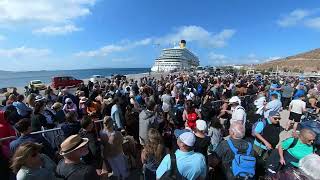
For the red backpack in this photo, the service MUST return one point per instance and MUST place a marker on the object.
(191, 119)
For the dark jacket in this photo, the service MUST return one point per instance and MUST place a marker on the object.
(76, 171)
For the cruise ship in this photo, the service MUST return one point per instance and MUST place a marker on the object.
(175, 59)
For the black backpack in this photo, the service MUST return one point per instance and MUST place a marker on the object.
(173, 173)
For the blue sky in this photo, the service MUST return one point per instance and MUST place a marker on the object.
(77, 34)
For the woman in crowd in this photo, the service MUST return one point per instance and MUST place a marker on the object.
(29, 164)
(152, 154)
(191, 114)
(72, 125)
(38, 120)
(69, 106)
(112, 149)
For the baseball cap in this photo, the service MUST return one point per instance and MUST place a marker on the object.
(234, 99)
(187, 138)
(201, 125)
(274, 114)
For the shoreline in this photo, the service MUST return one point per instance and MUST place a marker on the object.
(136, 76)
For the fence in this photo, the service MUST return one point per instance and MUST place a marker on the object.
(55, 135)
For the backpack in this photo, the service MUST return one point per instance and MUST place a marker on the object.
(263, 120)
(173, 173)
(243, 165)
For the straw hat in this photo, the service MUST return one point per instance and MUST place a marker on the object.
(56, 105)
(72, 143)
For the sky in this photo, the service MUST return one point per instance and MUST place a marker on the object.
(84, 34)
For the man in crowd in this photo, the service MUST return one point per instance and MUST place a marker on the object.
(224, 152)
(296, 108)
(190, 165)
(71, 167)
(237, 111)
(274, 105)
(24, 128)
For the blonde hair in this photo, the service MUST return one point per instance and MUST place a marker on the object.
(107, 122)
(154, 146)
(22, 153)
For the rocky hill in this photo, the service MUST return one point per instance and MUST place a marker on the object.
(307, 62)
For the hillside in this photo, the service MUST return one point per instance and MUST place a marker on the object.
(307, 62)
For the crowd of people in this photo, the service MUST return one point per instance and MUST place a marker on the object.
(177, 126)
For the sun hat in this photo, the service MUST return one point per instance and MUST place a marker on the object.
(201, 125)
(187, 138)
(72, 143)
(234, 99)
(274, 114)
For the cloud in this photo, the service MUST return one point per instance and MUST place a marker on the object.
(112, 48)
(23, 52)
(57, 30)
(293, 17)
(43, 10)
(198, 34)
(214, 56)
(313, 23)
(189, 33)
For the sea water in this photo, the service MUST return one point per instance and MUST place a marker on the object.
(21, 79)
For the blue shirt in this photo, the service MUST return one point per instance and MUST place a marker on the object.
(191, 165)
(259, 128)
(274, 105)
(22, 108)
(298, 94)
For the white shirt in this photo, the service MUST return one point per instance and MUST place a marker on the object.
(238, 114)
(297, 106)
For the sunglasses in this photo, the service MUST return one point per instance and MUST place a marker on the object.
(277, 118)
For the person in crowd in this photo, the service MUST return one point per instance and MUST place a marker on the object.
(6, 130)
(191, 114)
(267, 136)
(152, 154)
(11, 99)
(71, 167)
(190, 165)
(215, 134)
(112, 149)
(237, 112)
(260, 103)
(22, 109)
(69, 106)
(300, 90)
(273, 105)
(71, 126)
(87, 131)
(223, 115)
(206, 109)
(65, 94)
(38, 120)
(93, 109)
(287, 92)
(116, 114)
(29, 164)
(58, 112)
(308, 170)
(202, 140)
(296, 108)
(303, 147)
(30, 101)
(24, 128)
(148, 118)
(132, 121)
(224, 152)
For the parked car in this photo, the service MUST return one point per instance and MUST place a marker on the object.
(97, 78)
(65, 81)
(36, 85)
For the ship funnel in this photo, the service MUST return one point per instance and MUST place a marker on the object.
(182, 44)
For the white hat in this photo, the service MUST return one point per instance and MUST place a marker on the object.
(234, 99)
(187, 138)
(68, 100)
(201, 125)
(39, 98)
